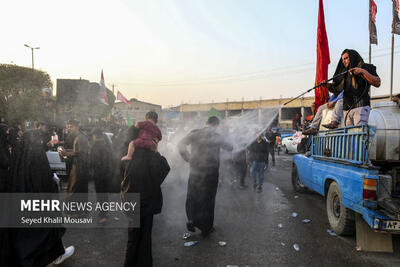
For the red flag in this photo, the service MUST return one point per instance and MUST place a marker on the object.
(374, 10)
(323, 59)
(122, 98)
(103, 91)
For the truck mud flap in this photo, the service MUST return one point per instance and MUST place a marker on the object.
(391, 206)
(370, 240)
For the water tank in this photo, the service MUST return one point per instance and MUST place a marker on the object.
(385, 116)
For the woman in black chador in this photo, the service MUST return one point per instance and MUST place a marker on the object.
(30, 173)
(4, 165)
(4, 157)
(145, 174)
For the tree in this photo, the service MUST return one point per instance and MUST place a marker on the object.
(20, 92)
(83, 101)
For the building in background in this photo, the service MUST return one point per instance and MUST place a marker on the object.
(136, 111)
(301, 106)
(172, 116)
(80, 99)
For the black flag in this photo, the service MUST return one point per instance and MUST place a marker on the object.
(396, 20)
(373, 36)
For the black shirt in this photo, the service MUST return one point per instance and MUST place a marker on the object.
(356, 89)
(205, 144)
(258, 151)
(101, 160)
(271, 136)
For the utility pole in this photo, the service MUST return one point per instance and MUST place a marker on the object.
(32, 48)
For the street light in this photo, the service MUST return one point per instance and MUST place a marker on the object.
(32, 48)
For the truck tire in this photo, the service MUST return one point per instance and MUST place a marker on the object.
(340, 218)
(298, 186)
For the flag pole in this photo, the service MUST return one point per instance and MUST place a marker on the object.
(369, 31)
(391, 69)
(369, 52)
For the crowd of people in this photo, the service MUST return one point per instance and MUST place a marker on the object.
(133, 164)
(25, 169)
(134, 167)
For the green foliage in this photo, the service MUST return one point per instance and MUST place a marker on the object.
(214, 112)
(20, 92)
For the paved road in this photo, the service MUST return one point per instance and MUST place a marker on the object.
(246, 220)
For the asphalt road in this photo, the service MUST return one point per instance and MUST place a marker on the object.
(246, 220)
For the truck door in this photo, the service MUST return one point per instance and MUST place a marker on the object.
(304, 168)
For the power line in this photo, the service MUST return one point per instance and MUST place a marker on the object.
(249, 76)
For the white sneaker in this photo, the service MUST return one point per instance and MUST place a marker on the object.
(68, 253)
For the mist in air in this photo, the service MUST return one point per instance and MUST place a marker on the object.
(238, 130)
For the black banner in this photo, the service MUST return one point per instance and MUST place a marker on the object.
(373, 36)
(396, 20)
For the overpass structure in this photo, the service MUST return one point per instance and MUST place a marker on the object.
(301, 106)
(236, 108)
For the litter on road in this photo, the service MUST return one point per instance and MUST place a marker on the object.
(186, 236)
(190, 243)
(276, 188)
(280, 225)
(296, 247)
(296, 197)
(222, 243)
(306, 221)
(294, 214)
(331, 232)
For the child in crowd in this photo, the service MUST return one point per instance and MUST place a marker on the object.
(149, 135)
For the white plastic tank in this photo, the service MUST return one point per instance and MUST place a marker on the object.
(385, 116)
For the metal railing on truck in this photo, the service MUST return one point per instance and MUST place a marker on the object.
(348, 144)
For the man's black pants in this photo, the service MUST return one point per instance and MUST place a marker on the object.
(272, 152)
(101, 187)
(241, 171)
(138, 249)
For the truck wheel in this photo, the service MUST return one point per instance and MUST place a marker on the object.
(286, 150)
(340, 218)
(298, 186)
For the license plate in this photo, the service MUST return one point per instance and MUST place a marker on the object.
(391, 225)
(61, 172)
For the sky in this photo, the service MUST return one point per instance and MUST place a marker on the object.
(170, 52)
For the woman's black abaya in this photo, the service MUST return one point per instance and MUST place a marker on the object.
(31, 173)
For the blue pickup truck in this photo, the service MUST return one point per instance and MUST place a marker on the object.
(338, 166)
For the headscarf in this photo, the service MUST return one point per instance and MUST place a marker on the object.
(3, 131)
(355, 61)
(3, 134)
(12, 137)
(356, 87)
(4, 157)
